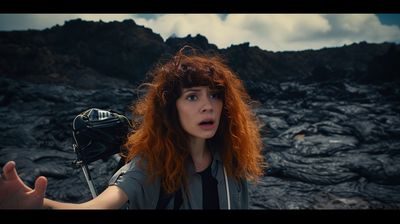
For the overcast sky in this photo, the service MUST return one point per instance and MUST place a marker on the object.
(274, 32)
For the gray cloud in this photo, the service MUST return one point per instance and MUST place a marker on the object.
(276, 32)
(41, 21)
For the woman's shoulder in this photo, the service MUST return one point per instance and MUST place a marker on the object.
(133, 179)
(132, 169)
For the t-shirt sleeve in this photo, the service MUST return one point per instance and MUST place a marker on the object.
(132, 180)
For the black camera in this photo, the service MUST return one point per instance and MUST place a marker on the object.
(98, 134)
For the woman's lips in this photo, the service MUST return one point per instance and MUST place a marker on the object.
(207, 125)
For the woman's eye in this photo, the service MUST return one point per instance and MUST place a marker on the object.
(191, 97)
(214, 96)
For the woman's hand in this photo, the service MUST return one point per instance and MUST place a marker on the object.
(14, 194)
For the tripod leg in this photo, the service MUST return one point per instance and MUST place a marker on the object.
(89, 180)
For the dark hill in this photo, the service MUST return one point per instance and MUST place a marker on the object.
(83, 53)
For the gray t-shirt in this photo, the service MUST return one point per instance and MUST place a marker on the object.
(143, 194)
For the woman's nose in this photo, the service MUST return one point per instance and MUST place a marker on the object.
(206, 105)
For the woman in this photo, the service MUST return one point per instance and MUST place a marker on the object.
(197, 145)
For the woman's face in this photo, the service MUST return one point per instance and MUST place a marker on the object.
(199, 109)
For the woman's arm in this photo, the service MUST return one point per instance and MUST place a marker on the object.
(111, 198)
(14, 194)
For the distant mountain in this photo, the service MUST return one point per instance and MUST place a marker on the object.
(91, 54)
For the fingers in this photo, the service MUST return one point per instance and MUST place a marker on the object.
(9, 172)
(40, 186)
(8, 166)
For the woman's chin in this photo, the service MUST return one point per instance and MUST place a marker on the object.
(204, 136)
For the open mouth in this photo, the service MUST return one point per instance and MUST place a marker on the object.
(207, 124)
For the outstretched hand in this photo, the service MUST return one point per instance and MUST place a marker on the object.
(14, 194)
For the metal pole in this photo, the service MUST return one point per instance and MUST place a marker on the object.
(89, 180)
(86, 173)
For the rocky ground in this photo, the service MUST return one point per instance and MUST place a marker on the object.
(329, 145)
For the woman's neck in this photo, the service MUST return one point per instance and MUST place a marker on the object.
(200, 154)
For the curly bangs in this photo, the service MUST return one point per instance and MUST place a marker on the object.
(186, 72)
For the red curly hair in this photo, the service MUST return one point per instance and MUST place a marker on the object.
(160, 139)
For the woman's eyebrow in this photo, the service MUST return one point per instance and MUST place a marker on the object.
(191, 90)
